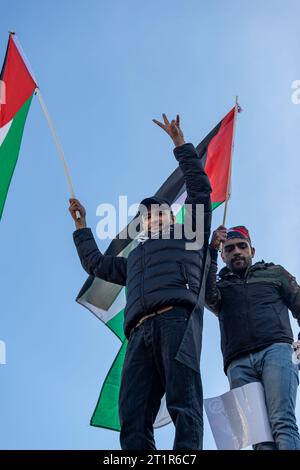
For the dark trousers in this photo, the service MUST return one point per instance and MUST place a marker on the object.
(150, 370)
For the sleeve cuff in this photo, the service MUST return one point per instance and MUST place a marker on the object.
(185, 150)
(81, 232)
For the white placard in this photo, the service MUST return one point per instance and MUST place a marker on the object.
(239, 418)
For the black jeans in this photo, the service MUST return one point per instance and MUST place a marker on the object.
(150, 370)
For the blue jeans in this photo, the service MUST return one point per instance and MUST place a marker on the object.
(150, 370)
(273, 367)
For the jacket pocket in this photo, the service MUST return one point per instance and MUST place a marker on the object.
(176, 315)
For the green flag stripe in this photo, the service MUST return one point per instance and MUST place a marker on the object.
(9, 151)
(106, 414)
(216, 204)
(116, 324)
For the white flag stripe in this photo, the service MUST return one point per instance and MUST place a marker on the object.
(106, 315)
(4, 131)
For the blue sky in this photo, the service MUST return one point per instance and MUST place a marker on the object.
(106, 68)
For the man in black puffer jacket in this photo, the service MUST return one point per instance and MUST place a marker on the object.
(165, 279)
(252, 303)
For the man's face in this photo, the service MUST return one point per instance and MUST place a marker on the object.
(237, 254)
(155, 220)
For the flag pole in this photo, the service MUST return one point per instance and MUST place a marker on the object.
(49, 121)
(236, 110)
(57, 144)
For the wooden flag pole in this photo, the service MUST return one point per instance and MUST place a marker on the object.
(237, 110)
(57, 145)
(49, 121)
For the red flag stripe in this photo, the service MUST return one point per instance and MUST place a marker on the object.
(19, 84)
(218, 158)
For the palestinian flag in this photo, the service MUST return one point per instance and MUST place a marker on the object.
(107, 300)
(17, 88)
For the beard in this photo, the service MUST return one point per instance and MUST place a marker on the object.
(239, 264)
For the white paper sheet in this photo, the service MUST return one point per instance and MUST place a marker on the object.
(239, 418)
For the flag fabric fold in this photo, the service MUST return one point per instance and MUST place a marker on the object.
(107, 301)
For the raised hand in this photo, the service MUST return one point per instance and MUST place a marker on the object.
(172, 129)
(218, 237)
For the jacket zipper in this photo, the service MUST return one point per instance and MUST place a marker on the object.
(185, 275)
(142, 280)
(247, 304)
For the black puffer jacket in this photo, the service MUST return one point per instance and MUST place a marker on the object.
(158, 272)
(252, 311)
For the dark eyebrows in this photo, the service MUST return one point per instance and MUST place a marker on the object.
(241, 245)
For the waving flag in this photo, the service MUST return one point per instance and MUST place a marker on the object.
(107, 300)
(17, 88)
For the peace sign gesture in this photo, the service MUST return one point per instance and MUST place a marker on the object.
(172, 129)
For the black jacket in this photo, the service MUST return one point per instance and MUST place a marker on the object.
(252, 311)
(158, 272)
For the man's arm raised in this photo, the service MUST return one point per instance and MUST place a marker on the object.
(197, 183)
(212, 293)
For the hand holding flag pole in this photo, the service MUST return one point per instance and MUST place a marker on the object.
(49, 121)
